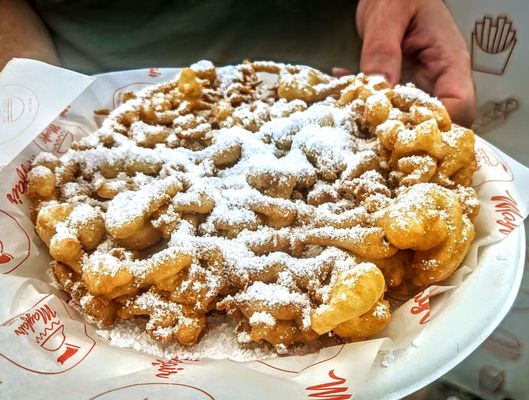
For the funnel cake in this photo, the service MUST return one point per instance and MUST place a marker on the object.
(292, 206)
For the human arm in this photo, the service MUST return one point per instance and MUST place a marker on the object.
(418, 41)
(23, 34)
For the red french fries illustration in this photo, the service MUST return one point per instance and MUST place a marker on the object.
(493, 41)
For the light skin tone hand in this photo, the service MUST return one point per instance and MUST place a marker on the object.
(23, 34)
(418, 41)
(417, 37)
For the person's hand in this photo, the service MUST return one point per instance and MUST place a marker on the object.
(418, 41)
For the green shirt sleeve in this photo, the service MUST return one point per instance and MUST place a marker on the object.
(93, 36)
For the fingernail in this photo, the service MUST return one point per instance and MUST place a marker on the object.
(338, 72)
(376, 77)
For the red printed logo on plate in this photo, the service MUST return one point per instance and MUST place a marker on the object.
(155, 391)
(44, 339)
(334, 389)
(18, 108)
(15, 245)
(421, 306)
(173, 366)
(15, 196)
(507, 209)
(55, 139)
(154, 72)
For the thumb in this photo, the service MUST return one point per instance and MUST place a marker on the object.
(382, 26)
(461, 112)
(454, 87)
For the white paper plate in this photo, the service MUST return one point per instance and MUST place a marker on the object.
(473, 310)
(470, 313)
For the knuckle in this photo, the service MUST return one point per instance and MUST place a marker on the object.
(380, 48)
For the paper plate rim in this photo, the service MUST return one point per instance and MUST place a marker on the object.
(385, 382)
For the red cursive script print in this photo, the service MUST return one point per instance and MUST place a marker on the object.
(54, 138)
(50, 333)
(507, 207)
(168, 368)
(43, 314)
(154, 72)
(423, 306)
(19, 188)
(51, 344)
(333, 390)
(46, 134)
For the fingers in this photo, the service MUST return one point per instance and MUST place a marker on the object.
(382, 26)
(455, 88)
(429, 37)
(448, 76)
(439, 61)
(462, 111)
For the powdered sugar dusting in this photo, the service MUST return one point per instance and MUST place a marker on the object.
(413, 95)
(210, 194)
(218, 342)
